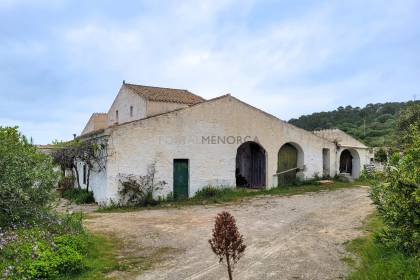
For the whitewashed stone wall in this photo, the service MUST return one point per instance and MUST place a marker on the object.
(97, 183)
(122, 103)
(98, 179)
(361, 156)
(161, 139)
(141, 107)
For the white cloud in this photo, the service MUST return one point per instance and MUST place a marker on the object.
(168, 50)
(195, 45)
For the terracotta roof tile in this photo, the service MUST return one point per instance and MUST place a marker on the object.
(166, 94)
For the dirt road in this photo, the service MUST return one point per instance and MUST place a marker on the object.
(296, 237)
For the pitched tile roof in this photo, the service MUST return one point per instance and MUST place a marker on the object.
(166, 94)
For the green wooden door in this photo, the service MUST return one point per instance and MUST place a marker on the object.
(287, 159)
(181, 178)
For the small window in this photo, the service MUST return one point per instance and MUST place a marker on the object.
(116, 116)
(131, 111)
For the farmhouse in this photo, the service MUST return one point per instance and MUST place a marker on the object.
(193, 143)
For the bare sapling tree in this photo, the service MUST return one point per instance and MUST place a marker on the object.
(226, 242)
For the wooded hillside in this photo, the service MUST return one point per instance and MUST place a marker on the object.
(373, 124)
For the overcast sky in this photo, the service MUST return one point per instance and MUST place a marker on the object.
(61, 60)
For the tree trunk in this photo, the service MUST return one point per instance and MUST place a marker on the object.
(229, 267)
(77, 176)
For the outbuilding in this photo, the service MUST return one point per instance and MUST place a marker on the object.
(193, 143)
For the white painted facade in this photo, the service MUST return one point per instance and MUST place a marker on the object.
(129, 106)
(208, 134)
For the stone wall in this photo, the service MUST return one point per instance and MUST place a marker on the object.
(208, 134)
(124, 100)
(97, 183)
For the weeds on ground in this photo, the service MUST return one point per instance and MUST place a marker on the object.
(225, 194)
(373, 260)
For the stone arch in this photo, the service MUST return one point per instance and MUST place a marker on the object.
(290, 163)
(349, 162)
(251, 165)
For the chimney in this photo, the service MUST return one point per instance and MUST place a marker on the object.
(123, 82)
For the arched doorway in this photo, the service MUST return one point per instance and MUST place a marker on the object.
(349, 163)
(289, 163)
(250, 165)
(346, 162)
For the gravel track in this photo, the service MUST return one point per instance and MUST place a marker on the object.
(295, 237)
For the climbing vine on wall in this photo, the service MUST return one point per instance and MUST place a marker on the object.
(92, 152)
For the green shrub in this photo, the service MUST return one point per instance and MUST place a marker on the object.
(66, 182)
(381, 155)
(398, 199)
(72, 241)
(79, 196)
(52, 262)
(371, 178)
(26, 179)
(45, 251)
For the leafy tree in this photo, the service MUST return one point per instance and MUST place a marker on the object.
(26, 179)
(227, 242)
(381, 155)
(374, 124)
(398, 199)
(409, 116)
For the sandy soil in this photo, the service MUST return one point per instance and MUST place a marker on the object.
(296, 237)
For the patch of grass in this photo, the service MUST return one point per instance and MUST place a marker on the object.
(213, 195)
(375, 261)
(101, 257)
(109, 258)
